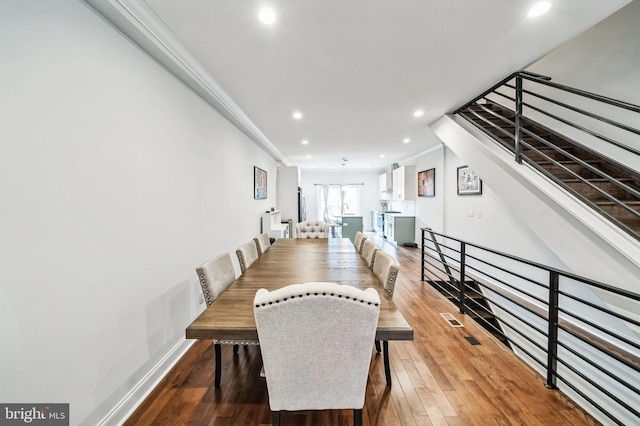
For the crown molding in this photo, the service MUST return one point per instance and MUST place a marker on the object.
(137, 21)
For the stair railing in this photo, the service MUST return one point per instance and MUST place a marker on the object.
(531, 97)
(553, 319)
(515, 96)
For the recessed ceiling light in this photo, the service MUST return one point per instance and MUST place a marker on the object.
(267, 16)
(297, 115)
(305, 142)
(539, 9)
(381, 155)
(418, 113)
(308, 157)
(406, 140)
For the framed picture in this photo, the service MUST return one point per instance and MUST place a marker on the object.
(468, 182)
(427, 183)
(259, 183)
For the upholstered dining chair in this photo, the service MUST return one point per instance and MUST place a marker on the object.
(247, 254)
(312, 229)
(369, 250)
(386, 269)
(262, 243)
(215, 275)
(316, 342)
(358, 240)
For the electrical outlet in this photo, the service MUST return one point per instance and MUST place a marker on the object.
(470, 212)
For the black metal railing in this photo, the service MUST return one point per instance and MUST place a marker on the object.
(555, 320)
(524, 107)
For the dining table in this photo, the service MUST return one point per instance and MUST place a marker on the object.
(296, 261)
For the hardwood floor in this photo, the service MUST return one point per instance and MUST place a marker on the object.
(438, 378)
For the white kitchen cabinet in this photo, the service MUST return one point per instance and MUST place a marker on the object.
(385, 186)
(404, 183)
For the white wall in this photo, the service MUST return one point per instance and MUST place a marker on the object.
(117, 181)
(604, 60)
(430, 210)
(491, 224)
(370, 199)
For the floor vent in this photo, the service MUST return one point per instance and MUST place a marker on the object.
(472, 340)
(453, 322)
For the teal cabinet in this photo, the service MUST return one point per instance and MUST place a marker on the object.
(351, 225)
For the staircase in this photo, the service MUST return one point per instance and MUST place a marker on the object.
(605, 185)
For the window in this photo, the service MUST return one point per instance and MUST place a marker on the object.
(338, 200)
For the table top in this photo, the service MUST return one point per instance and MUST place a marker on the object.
(294, 261)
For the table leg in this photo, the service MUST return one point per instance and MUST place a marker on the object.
(387, 369)
(218, 350)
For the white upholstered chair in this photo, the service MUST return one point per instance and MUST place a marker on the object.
(262, 243)
(312, 229)
(358, 240)
(369, 250)
(247, 254)
(215, 275)
(316, 342)
(386, 268)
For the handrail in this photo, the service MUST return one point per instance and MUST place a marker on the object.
(611, 101)
(590, 348)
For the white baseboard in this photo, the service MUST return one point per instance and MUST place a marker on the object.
(132, 400)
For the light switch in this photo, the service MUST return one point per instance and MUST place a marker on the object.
(470, 212)
(479, 213)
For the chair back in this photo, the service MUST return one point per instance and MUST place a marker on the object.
(386, 269)
(316, 341)
(369, 250)
(247, 254)
(312, 229)
(215, 275)
(358, 240)
(262, 243)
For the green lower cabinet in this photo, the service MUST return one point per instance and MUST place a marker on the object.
(351, 225)
(404, 230)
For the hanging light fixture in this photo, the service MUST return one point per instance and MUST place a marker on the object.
(344, 173)
(343, 192)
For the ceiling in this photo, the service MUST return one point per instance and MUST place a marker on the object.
(356, 69)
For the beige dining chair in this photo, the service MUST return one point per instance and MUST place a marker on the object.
(312, 229)
(369, 250)
(262, 243)
(358, 241)
(247, 254)
(215, 275)
(310, 362)
(386, 269)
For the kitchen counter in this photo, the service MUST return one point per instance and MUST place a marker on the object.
(395, 214)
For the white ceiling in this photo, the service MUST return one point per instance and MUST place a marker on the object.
(357, 69)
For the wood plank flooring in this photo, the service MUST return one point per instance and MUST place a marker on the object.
(438, 378)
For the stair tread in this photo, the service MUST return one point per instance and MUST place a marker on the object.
(613, 203)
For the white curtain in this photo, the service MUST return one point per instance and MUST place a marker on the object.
(338, 200)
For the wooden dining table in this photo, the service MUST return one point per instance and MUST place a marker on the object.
(296, 261)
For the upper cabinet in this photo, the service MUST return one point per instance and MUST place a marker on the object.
(404, 183)
(385, 186)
